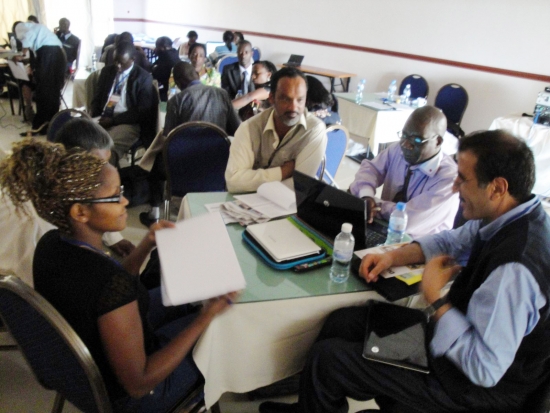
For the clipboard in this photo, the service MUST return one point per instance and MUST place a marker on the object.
(396, 336)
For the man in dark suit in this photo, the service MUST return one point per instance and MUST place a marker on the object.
(238, 76)
(125, 100)
(70, 42)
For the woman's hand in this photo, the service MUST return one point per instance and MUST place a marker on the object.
(156, 227)
(217, 305)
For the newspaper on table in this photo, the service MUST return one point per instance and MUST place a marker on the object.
(409, 274)
(273, 199)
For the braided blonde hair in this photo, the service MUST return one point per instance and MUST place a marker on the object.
(51, 177)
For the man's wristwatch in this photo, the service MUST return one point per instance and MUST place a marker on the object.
(436, 305)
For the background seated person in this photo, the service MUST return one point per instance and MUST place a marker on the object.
(238, 76)
(192, 37)
(167, 58)
(195, 102)
(228, 48)
(416, 171)
(490, 343)
(208, 75)
(257, 100)
(321, 102)
(269, 146)
(123, 98)
(142, 349)
(70, 42)
(108, 56)
(238, 37)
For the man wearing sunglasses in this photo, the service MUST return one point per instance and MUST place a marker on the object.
(416, 171)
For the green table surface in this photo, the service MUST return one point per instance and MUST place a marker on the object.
(264, 283)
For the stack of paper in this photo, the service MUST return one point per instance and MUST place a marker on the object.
(197, 260)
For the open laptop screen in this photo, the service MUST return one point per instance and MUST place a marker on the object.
(211, 47)
(295, 60)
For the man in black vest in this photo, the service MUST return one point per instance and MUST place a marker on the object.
(490, 347)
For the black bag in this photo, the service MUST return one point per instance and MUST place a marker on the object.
(136, 185)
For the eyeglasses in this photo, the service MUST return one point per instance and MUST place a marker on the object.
(107, 200)
(414, 140)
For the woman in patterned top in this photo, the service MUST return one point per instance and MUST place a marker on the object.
(208, 76)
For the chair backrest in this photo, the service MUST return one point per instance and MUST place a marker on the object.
(337, 143)
(419, 86)
(195, 158)
(256, 54)
(226, 60)
(452, 99)
(62, 117)
(57, 356)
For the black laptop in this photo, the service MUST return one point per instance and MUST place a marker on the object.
(294, 60)
(326, 208)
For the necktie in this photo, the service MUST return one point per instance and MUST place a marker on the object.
(244, 85)
(401, 196)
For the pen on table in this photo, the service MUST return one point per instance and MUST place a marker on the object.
(313, 265)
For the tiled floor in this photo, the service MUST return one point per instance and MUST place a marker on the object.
(19, 390)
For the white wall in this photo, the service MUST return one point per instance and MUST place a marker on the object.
(497, 33)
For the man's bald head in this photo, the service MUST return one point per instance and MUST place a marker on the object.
(422, 134)
(184, 73)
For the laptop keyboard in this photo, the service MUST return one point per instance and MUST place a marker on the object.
(373, 238)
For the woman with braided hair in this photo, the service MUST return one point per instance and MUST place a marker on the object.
(141, 348)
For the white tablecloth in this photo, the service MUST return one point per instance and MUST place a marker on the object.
(373, 126)
(537, 138)
(256, 344)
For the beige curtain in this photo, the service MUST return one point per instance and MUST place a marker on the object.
(10, 12)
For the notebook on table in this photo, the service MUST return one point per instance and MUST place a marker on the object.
(282, 240)
(396, 335)
(326, 208)
(294, 60)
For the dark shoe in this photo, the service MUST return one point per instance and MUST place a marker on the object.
(290, 385)
(275, 407)
(146, 220)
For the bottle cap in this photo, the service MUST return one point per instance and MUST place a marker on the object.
(401, 206)
(347, 227)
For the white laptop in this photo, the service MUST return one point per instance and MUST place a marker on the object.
(282, 240)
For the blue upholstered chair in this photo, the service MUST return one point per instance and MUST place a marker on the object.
(419, 86)
(452, 99)
(57, 356)
(195, 157)
(337, 143)
(61, 118)
(226, 60)
(256, 54)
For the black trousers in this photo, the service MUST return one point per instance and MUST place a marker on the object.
(335, 369)
(49, 76)
(156, 179)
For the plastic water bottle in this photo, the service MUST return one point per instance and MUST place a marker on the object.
(94, 62)
(406, 95)
(13, 44)
(342, 253)
(391, 90)
(398, 224)
(360, 88)
(239, 94)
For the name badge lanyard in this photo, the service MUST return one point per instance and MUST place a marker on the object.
(109, 109)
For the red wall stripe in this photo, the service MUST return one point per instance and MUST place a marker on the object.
(463, 65)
